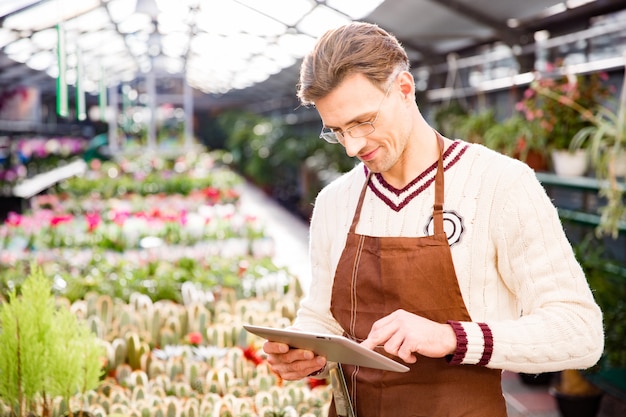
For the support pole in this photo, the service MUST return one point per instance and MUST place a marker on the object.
(188, 108)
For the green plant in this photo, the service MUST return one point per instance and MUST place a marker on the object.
(473, 126)
(604, 136)
(44, 350)
(607, 279)
(516, 137)
(448, 117)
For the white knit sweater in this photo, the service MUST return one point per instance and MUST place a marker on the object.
(515, 266)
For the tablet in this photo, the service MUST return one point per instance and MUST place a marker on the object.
(335, 348)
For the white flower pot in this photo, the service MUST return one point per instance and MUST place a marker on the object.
(570, 164)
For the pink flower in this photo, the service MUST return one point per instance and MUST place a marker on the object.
(14, 219)
(119, 217)
(93, 221)
(57, 220)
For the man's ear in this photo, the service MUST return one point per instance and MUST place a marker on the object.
(407, 84)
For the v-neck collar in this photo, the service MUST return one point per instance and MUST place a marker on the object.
(395, 198)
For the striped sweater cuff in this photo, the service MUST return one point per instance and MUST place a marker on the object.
(474, 343)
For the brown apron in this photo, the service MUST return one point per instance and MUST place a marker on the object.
(376, 276)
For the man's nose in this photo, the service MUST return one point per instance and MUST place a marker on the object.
(353, 145)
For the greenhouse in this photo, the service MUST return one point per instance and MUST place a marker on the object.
(424, 201)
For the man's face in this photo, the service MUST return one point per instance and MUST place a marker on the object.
(356, 100)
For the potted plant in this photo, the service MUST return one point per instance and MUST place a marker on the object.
(559, 122)
(579, 393)
(473, 126)
(519, 138)
(604, 140)
(45, 352)
(448, 117)
(575, 395)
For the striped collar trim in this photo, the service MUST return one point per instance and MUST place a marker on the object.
(396, 199)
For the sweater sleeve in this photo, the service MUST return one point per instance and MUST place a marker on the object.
(560, 325)
(314, 312)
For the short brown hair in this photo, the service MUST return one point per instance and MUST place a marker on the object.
(357, 47)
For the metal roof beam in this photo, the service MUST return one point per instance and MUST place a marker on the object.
(509, 35)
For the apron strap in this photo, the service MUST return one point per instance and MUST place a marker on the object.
(439, 186)
(357, 214)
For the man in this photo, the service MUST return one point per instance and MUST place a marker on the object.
(443, 254)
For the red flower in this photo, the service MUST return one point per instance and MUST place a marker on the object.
(194, 338)
(314, 382)
(212, 193)
(251, 354)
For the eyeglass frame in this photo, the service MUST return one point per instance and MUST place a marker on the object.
(332, 136)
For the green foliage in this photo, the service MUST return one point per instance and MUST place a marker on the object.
(44, 350)
(447, 118)
(272, 154)
(515, 137)
(607, 279)
(473, 126)
(119, 277)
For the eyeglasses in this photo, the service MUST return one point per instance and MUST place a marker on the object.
(356, 131)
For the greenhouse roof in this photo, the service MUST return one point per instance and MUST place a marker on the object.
(244, 51)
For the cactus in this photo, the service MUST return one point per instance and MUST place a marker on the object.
(104, 309)
(263, 399)
(126, 322)
(183, 320)
(276, 396)
(174, 368)
(174, 324)
(172, 410)
(59, 407)
(198, 317)
(105, 404)
(138, 378)
(155, 326)
(136, 348)
(140, 302)
(162, 382)
(157, 391)
(181, 389)
(123, 372)
(79, 309)
(139, 393)
(96, 326)
(287, 308)
(166, 337)
(192, 408)
(225, 377)
(120, 351)
(120, 408)
(156, 367)
(193, 371)
(98, 411)
(146, 361)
